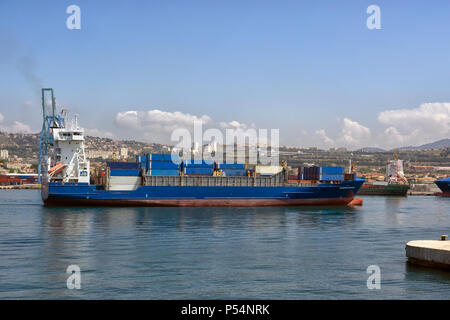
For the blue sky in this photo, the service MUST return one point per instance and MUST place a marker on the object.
(310, 68)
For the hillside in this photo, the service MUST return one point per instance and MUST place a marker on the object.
(27, 145)
(440, 144)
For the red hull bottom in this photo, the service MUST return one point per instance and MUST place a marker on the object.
(442, 194)
(199, 202)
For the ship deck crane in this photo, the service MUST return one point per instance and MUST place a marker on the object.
(50, 120)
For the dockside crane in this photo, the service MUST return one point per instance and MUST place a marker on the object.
(50, 120)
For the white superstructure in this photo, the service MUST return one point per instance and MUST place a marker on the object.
(394, 172)
(67, 162)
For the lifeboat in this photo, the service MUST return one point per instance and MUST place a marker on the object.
(57, 168)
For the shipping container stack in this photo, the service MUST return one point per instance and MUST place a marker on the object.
(316, 173)
(165, 165)
(124, 169)
(159, 164)
(233, 169)
(331, 174)
(205, 168)
(124, 175)
(309, 173)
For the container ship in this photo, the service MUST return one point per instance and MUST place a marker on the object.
(15, 179)
(395, 183)
(164, 180)
(444, 185)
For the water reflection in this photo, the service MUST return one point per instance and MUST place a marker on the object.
(60, 223)
(393, 203)
(393, 207)
(268, 252)
(421, 274)
(65, 232)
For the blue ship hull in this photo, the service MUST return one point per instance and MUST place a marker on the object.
(92, 195)
(444, 185)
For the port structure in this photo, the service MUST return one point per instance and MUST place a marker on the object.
(50, 120)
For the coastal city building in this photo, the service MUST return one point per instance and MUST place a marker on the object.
(124, 153)
(4, 154)
(94, 154)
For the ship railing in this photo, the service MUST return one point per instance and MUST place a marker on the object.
(211, 181)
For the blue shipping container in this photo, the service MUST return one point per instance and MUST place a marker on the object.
(202, 164)
(234, 172)
(163, 157)
(125, 172)
(123, 165)
(331, 170)
(155, 172)
(232, 166)
(163, 165)
(206, 171)
(142, 159)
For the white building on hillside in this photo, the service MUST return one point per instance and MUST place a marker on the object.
(4, 154)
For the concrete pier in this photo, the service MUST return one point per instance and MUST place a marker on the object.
(22, 186)
(431, 253)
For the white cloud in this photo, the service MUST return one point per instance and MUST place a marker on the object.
(394, 136)
(402, 127)
(235, 125)
(427, 123)
(354, 134)
(156, 125)
(394, 128)
(142, 120)
(16, 127)
(323, 136)
(98, 133)
(20, 127)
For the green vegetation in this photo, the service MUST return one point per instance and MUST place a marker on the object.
(374, 159)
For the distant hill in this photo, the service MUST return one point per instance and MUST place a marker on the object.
(371, 149)
(440, 144)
